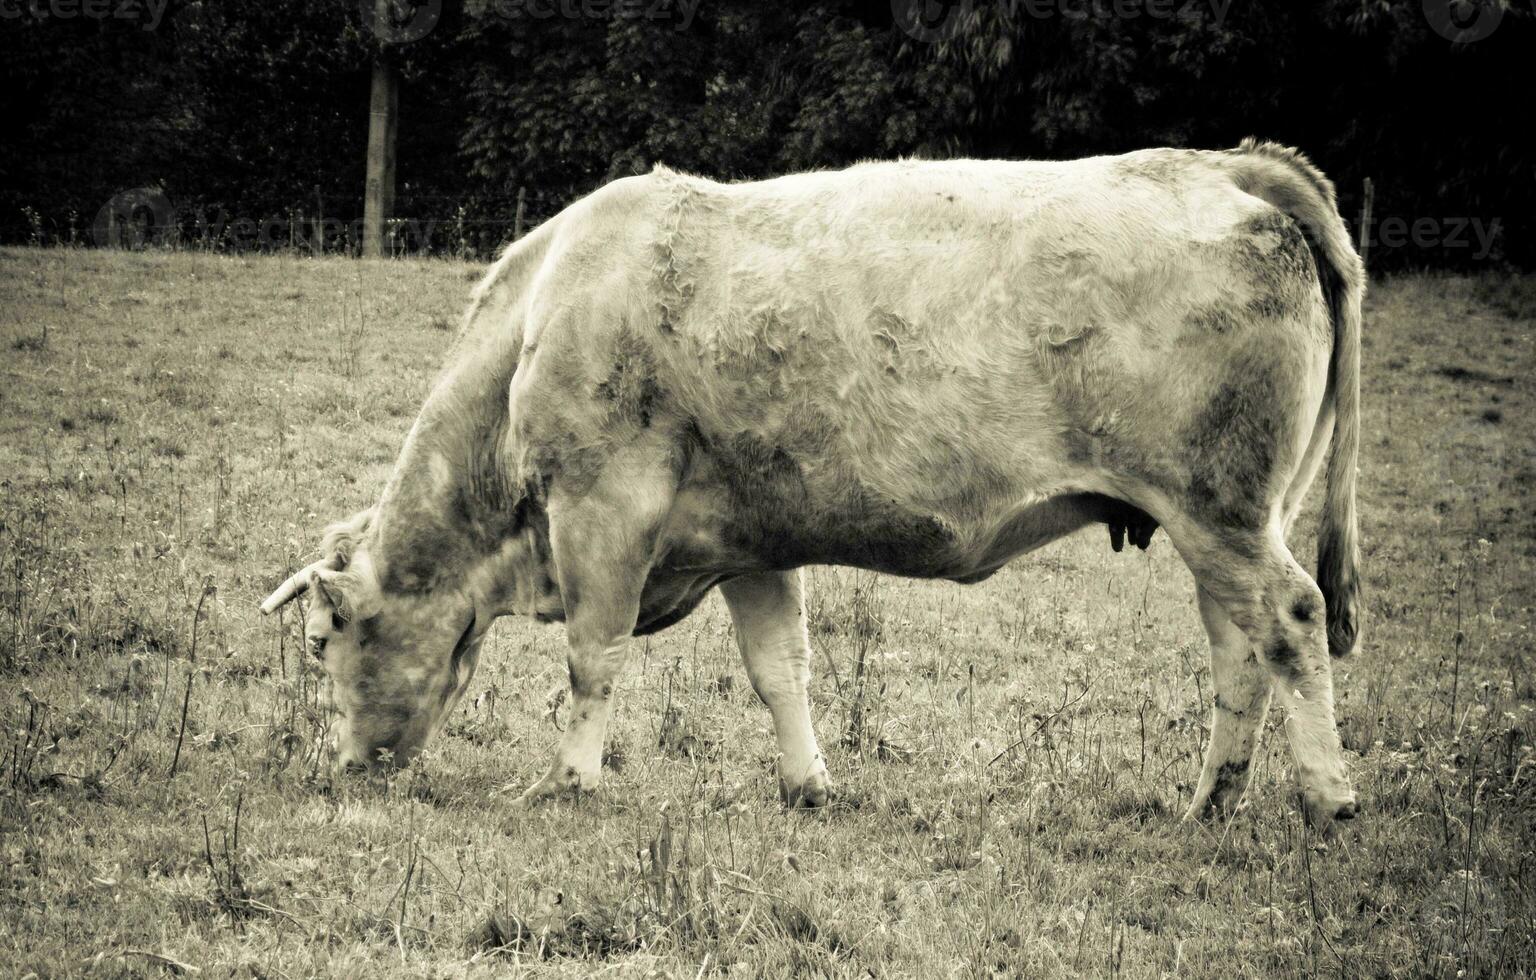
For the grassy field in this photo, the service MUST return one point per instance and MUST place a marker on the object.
(1011, 758)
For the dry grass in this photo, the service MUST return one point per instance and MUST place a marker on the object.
(1011, 757)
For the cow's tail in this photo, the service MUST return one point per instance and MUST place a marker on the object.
(1288, 180)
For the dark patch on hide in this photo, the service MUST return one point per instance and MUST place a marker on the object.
(367, 631)
(776, 521)
(382, 722)
(427, 555)
(1267, 221)
(1267, 306)
(1232, 444)
(430, 549)
(1212, 319)
(1303, 610)
(1231, 777)
(366, 670)
(1279, 265)
(1081, 448)
(1281, 654)
(631, 389)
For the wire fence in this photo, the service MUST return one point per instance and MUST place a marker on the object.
(146, 217)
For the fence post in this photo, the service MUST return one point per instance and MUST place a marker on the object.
(319, 239)
(383, 111)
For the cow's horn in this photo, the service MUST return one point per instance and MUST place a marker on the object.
(296, 584)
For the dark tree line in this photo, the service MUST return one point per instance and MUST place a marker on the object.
(249, 120)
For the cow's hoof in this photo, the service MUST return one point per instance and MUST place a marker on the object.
(560, 781)
(813, 793)
(1217, 807)
(1322, 813)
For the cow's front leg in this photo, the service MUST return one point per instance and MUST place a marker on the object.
(578, 760)
(769, 613)
(601, 542)
(1237, 716)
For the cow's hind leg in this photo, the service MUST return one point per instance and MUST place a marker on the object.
(1280, 609)
(1243, 683)
(601, 541)
(769, 613)
(1237, 714)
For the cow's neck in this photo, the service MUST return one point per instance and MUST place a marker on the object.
(452, 503)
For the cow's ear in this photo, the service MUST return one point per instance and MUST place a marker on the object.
(348, 594)
(324, 586)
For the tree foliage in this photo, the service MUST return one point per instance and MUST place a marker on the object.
(259, 110)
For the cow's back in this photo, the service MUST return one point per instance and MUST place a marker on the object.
(889, 362)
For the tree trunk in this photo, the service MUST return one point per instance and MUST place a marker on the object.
(383, 109)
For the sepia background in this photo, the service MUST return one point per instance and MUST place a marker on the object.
(200, 372)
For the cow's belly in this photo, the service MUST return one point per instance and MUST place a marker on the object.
(730, 530)
(707, 543)
(669, 596)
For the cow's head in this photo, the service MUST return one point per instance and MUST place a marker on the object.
(398, 660)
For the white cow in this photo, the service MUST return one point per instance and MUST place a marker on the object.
(922, 368)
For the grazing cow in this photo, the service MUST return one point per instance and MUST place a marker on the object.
(921, 368)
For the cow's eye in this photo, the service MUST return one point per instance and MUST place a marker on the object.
(317, 647)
